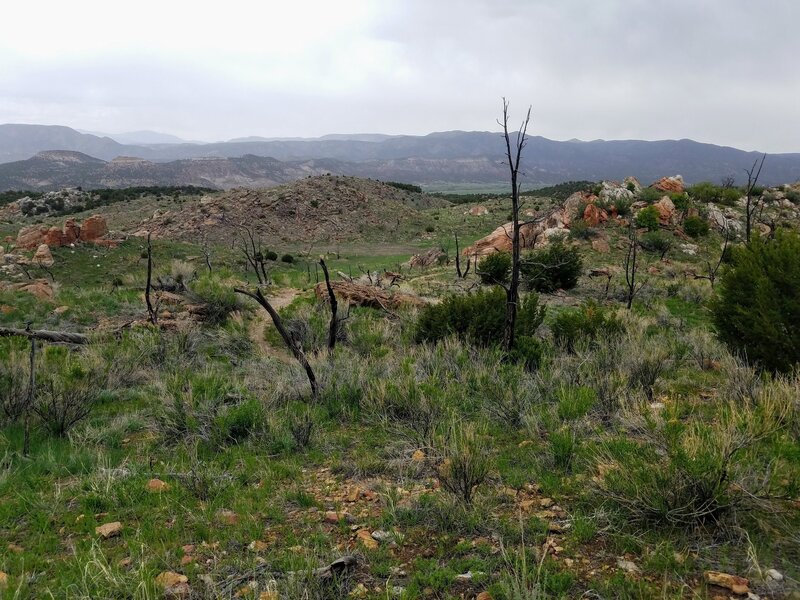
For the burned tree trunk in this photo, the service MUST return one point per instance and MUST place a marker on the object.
(334, 326)
(63, 337)
(290, 342)
(513, 158)
(152, 311)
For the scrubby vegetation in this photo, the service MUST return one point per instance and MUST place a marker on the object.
(609, 453)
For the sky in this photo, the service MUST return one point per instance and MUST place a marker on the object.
(718, 71)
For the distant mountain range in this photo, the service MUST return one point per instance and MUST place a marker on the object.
(446, 157)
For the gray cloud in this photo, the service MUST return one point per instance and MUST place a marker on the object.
(722, 71)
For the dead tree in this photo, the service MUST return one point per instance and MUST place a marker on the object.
(712, 271)
(207, 254)
(458, 257)
(333, 329)
(250, 246)
(63, 337)
(291, 343)
(31, 397)
(152, 310)
(631, 268)
(751, 204)
(513, 157)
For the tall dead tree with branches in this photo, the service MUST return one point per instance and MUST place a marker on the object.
(250, 246)
(632, 268)
(513, 157)
(711, 271)
(752, 205)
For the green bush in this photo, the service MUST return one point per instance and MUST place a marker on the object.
(287, 258)
(623, 206)
(430, 228)
(586, 322)
(651, 195)
(218, 300)
(271, 255)
(705, 192)
(648, 217)
(657, 242)
(495, 268)
(757, 309)
(580, 230)
(695, 226)
(552, 268)
(478, 317)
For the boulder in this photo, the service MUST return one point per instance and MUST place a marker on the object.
(594, 215)
(632, 182)
(38, 287)
(671, 185)
(535, 233)
(612, 192)
(478, 211)
(109, 530)
(666, 210)
(93, 228)
(72, 233)
(43, 256)
(54, 237)
(573, 206)
(734, 583)
(31, 237)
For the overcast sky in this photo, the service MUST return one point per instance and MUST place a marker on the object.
(720, 71)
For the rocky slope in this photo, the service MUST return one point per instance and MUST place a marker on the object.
(316, 209)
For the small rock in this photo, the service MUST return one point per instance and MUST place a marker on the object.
(174, 585)
(628, 566)
(227, 517)
(734, 583)
(483, 596)
(774, 575)
(546, 502)
(258, 546)
(334, 517)
(353, 494)
(124, 563)
(109, 530)
(3, 580)
(418, 456)
(382, 536)
(19, 550)
(366, 540)
(156, 485)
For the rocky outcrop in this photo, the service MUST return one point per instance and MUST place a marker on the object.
(94, 229)
(573, 206)
(537, 233)
(356, 294)
(38, 287)
(632, 182)
(670, 185)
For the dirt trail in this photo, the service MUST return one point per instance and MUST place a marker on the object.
(261, 320)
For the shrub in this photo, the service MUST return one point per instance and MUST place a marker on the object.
(580, 230)
(793, 196)
(705, 192)
(623, 206)
(648, 217)
(67, 389)
(495, 268)
(270, 255)
(695, 226)
(693, 473)
(478, 317)
(650, 195)
(287, 258)
(13, 384)
(466, 461)
(218, 300)
(657, 242)
(430, 228)
(757, 309)
(587, 322)
(555, 267)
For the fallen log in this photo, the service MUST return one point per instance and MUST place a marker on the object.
(56, 337)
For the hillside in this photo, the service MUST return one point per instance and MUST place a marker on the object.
(53, 170)
(317, 209)
(452, 156)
